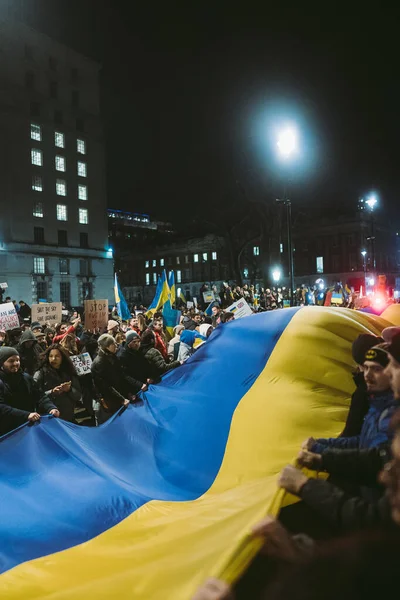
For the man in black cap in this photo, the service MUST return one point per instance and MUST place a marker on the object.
(133, 362)
(20, 399)
(359, 404)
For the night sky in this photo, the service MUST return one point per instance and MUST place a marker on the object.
(192, 96)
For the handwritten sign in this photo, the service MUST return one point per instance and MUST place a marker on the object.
(3, 286)
(96, 314)
(8, 316)
(82, 363)
(240, 309)
(47, 313)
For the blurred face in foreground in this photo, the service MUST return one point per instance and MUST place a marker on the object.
(393, 372)
(376, 378)
(390, 477)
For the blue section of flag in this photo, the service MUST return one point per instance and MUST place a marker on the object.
(122, 307)
(157, 295)
(171, 316)
(208, 310)
(62, 484)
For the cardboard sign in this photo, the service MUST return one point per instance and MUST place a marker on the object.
(8, 316)
(240, 309)
(3, 286)
(208, 297)
(47, 313)
(96, 314)
(189, 304)
(195, 302)
(82, 363)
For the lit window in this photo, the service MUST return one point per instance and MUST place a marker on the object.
(214, 256)
(178, 260)
(320, 264)
(245, 272)
(39, 265)
(82, 192)
(59, 139)
(147, 264)
(60, 163)
(147, 278)
(61, 212)
(61, 187)
(37, 157)
(256, 250)
(82, 169)
(161, 262)
(154, 278)
(38, 210)
(281, 248)
(36, 132)
(83, 216)
(37, 183)
(186, 258)
(195, 257)
(154, 262)
(178, 276)
(64, 266)
(205, 256)
(81, 146)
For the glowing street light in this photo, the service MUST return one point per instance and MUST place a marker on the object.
(363, 253)
(287, 142)
(276, 275)
(372, 201)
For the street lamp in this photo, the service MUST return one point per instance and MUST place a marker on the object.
(276, 275)
(371, 202)
(287, 146)
(364, 255)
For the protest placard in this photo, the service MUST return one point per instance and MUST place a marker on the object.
(50, 312)
(82, 363)
(240, 309)
(208, 297)
(96, 314)
(189, 304)
(8, 316)
(3, 286)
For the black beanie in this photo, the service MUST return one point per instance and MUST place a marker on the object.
(362, 344)
(377, 355)
(6, 352)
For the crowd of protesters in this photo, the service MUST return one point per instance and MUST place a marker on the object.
(38, 376)
(360, 488)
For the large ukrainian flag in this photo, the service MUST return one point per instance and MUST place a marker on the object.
(164, 495)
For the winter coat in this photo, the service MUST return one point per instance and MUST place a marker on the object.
(358, 407)
(112, 383)
(30, 357)
(48, 378)
(20, 396)
(157, 364)
(375, 429)
(172, 353)
(134, 365)
(25, 312)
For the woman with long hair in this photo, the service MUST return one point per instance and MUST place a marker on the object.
(142, 324)
(58, 380)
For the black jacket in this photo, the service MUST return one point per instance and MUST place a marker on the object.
(134, 365)
(341, 509)
(20, 396)
(358, 408)
(157, 364)
(48, 378)
(111, 382)
(30, 357)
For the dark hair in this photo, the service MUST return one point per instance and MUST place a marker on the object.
(158, 315)
(225, 316)
(66, 365)
(147, 340)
